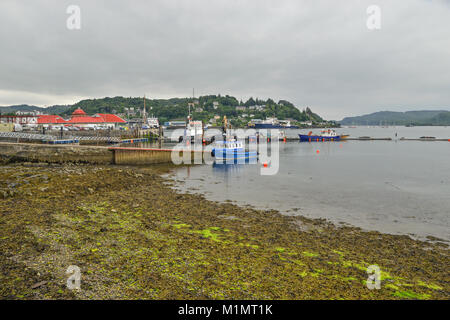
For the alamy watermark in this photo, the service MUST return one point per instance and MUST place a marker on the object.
(374, 17)
(73, 22)
(374, 279)
(373, 22)
(74, 280)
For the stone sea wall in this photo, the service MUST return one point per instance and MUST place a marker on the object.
(13, 152)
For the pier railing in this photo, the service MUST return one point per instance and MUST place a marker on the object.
(50, 137)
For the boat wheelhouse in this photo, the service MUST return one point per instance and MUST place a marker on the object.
(232, 151)
(153, 122)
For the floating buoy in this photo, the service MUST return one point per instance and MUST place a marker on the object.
(265, 164)
(318, 151)
(131, 140)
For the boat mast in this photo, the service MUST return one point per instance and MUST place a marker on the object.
(144, 114)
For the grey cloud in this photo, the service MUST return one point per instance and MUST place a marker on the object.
(313, 52)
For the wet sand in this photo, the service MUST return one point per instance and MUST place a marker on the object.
(134, 237)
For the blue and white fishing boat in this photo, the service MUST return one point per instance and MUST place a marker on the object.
(326, 135)
(232, 151)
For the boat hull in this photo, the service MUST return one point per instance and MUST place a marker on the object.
(231, 155)
(312, 138)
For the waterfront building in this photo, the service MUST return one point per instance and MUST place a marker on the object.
(23, 120)
(80, 120)
(98, 121)
(51, 120)
(28, 113)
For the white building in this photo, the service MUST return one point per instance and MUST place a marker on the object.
(23, 120)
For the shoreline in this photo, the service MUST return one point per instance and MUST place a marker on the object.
(179, 186)
(134, 237)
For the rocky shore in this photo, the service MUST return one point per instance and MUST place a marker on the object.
(134, 237)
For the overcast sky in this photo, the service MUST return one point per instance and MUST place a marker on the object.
(316, 53)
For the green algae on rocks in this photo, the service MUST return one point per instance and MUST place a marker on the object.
(133, 237)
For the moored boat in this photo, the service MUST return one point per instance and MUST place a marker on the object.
(326, 135)
(232, 151)
(271, 123)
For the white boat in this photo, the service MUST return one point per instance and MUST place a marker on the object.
(153, 122)
(192, 131)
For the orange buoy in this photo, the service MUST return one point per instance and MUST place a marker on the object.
(131, 140)
(265, 164)
(318, 151)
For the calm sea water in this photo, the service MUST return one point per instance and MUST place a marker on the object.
(399, 187)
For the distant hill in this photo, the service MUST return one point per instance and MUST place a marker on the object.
(177, 108)
(425, 117)
(22, 107)
(57, 109)
(204, 108)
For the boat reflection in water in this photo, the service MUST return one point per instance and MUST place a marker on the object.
(232, 167)
(227, 168)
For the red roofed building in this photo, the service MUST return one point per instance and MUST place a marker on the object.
(50, 119)
(98, 121)
(78, 119)
(111, 118)
(78, 113)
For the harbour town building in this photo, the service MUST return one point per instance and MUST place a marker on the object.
(78, 119)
